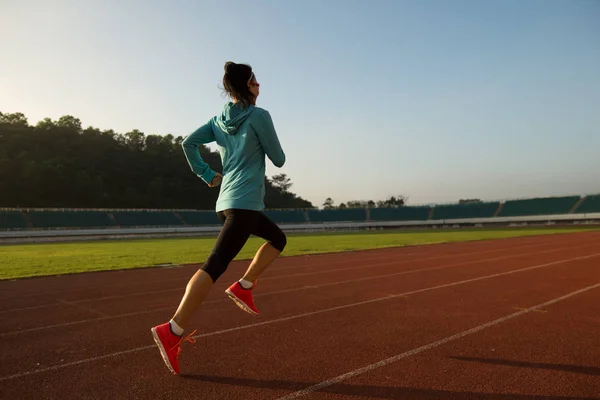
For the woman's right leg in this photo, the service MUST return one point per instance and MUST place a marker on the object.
(232, 238)
(195, 292)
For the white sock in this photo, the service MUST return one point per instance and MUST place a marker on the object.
(176, 328)
(246, 284)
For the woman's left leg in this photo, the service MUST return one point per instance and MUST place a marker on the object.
(276, 242)
(241, 291)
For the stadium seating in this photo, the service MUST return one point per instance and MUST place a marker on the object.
(456, 211)
(199, 217)
(539, 206)
(400, 214)
(344, 215)
(286, 216)
(146, 218)
(12, 220)
(70, 219)
(210, 217)
(591, 204)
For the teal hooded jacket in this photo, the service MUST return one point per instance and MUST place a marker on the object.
(244, 136)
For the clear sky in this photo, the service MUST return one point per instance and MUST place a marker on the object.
(435, 100)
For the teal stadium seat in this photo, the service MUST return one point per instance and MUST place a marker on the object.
(12, 220)
(420, 213)
(458, 211)
(344, 215)
(538, 206)
(147, 218)
(70, 219)
(199, 218)
(286, 216)
(591, 204)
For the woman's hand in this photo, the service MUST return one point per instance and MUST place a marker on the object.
(216, 182)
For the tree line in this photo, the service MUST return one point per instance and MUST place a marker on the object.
(61, 164)
(390, 202)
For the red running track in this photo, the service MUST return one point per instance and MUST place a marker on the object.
(502, 319)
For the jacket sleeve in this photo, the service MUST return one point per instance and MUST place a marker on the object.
(269, 141)
(202, 135)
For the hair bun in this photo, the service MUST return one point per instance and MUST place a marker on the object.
(229, 67)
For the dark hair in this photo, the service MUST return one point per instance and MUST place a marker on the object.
(235, 82)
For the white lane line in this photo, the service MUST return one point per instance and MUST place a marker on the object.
(292, 317)
(299, 288)
(84, 308)
(387, 361)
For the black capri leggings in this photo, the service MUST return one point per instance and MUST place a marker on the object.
(238, 225)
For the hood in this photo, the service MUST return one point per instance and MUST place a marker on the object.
(232, 117)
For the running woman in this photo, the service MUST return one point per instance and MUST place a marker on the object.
(244, 134)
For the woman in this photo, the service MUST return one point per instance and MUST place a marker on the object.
(244, 134)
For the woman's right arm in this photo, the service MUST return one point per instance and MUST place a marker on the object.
(268, 138)
(202, 135)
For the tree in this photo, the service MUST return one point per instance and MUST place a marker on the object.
(281, 182)
(276, 198)
(135, 140)
(392, 202)
(328, 204)
(13, 119)
(470, 201)
(45, 125)
(69, 122)
(360, 204)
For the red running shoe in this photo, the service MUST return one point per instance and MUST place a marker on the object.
(169, 345)
(242, 297)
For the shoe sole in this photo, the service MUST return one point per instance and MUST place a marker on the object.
(240, 303)
(163, 352)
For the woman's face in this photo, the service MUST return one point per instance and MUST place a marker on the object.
(254, 86)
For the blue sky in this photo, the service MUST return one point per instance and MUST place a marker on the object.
(435, 100)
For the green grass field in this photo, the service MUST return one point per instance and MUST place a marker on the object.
(28, 260)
